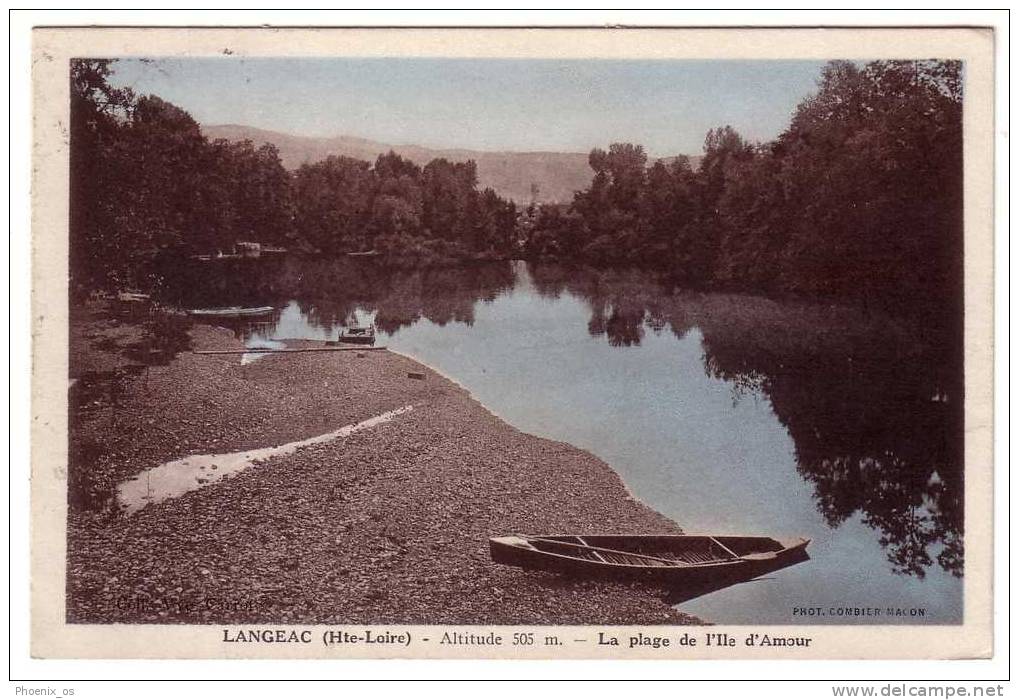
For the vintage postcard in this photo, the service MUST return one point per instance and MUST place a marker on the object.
(512, 343)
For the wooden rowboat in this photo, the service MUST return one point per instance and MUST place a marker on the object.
(232, 312)
(687, 560)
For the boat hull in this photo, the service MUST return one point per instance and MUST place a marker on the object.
(744, 562)
(357, 339)
(232, 313)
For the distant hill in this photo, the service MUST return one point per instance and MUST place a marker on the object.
(510, 174)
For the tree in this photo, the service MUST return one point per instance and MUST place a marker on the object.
(333, 203)
(164, 164)
(873, 163)
(97, 109)
(398, 206)
(259, 190)
(447, 187)
(611, 207)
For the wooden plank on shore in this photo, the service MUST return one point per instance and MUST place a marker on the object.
(260, 351)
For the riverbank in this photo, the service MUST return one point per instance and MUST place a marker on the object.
(387, 525)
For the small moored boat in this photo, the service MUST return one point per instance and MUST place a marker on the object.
(232, 312)
(362, 335)
(693, 560)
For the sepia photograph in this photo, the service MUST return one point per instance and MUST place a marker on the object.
(431, 354)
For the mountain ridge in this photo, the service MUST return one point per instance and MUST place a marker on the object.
(556, 174)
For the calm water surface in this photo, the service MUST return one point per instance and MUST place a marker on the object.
(729, 414)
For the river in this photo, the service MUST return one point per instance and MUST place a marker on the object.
(728, 413)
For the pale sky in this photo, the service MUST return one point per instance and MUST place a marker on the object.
(484, 104)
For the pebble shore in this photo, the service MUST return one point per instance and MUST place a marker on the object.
(387, 525)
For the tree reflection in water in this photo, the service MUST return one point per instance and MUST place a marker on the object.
(329, 291)
(872, 403)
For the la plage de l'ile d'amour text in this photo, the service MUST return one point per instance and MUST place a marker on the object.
(335, 637)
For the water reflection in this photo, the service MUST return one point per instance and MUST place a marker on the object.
(332, 293)
(873, 405)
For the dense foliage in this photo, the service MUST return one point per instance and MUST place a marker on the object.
(145, 181)
(860, 197)
(396, 208)
(147, 184)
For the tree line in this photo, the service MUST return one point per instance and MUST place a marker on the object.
(145, 183)
(860, 197)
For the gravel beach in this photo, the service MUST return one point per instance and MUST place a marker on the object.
(387, 525)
